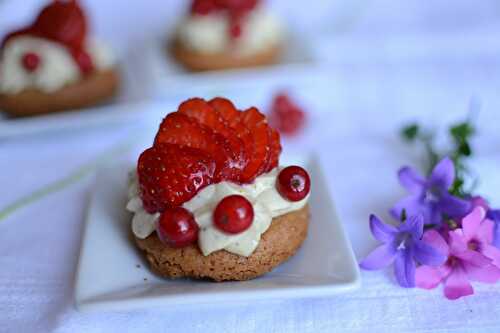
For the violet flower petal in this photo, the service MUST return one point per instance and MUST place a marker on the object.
(471, 223)
(404, 268)
(427, 277)
(434, 239)
(427, 255)
(494, 215)
(414, 225)
(443, 174)
(413, 205)
(379, 258)
(381, 231)
(453, 206)
(457, 285)
(487, 274)
(411, 180)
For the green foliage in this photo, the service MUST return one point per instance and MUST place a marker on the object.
(460, 135)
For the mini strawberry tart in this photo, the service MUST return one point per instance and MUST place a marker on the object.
(52, 65)
(221, 34)
(209, 198)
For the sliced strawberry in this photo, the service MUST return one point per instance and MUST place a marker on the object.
(205, 114)
(232, 118)
(177, 128)
(256, 123)
(200, 110)
(274, 149)
(170, 175)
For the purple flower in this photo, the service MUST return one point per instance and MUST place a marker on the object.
(401, 245)
(430, 197)
(494, 215)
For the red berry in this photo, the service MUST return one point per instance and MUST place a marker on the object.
(235, 30)
(30, 61)
(293, 183)
(203, 7)
(177, 227)
(274, 149)
(180, 129)
(63, 21)
(84, 60)
(233, 214)
(170, 175)
(286, 116)
(207, 115)
(257, 124)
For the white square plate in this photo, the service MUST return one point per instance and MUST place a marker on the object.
(113, 275)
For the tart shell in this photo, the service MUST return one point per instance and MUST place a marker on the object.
(281, 241)
(198, 61)
(95, 88)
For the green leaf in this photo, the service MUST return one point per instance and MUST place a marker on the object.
(410, 132)
(462, 131)
(464, 149)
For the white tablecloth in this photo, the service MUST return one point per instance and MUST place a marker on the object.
(355, 122)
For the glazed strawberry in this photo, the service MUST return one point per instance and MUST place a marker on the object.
(177, 128)
(203, 7)
(63, 21)
(232, 118)
(256, 123)
(274, 149)
(233, 214)
(177, 227)
(171, 174)
(205, 114)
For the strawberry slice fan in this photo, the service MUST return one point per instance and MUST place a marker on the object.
(202, 143)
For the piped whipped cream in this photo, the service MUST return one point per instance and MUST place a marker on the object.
(57, 67)
(209, 33)
(266, 200)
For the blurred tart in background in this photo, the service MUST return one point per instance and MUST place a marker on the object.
(223, 34)
(52, 65)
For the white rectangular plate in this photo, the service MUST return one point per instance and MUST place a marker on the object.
(113, 275)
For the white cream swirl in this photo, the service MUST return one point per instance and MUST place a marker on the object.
(57, 67)
(267, 204)
(209, 33)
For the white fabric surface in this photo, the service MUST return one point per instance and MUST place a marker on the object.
(354, 127)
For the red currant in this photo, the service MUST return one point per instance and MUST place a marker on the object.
(286, 116)
(293, 183)
(233, 214)
(30, 61)
(177, 227)
(235, 30)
